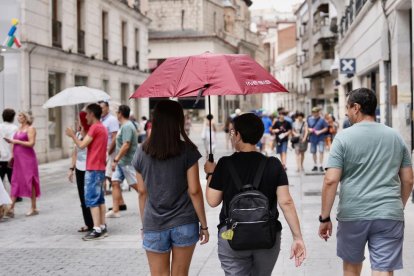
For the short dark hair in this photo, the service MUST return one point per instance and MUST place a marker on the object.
(166, 132)
(95, 109)
(300, 114)
(250, 127)
(124, 110)
(104, 102)
(366, 98)
(210, 117)
(8, 115)
(144, 118)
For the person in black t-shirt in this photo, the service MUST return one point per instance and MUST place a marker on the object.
(246, 131)
(282, 128)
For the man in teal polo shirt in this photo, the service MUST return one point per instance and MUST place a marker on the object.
(373, 165)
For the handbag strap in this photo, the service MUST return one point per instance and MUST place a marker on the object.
(301, 128)
(315, 123)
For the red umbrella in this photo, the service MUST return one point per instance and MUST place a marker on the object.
(208, 74)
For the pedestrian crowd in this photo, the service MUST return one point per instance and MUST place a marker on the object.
(157, 159)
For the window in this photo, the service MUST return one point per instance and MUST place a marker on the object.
(105, 85)
(124, 93)
(124, 43)
(56, 24)
(54, 124)
(137, 43)
(182, 19)
(80, 7)
(105, 35)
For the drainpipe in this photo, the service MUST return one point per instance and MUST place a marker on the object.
(30, 76)
(411, 80)
(387, 66)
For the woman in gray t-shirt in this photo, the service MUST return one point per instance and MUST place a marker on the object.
(170, 195)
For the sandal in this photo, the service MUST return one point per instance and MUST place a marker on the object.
(10, 213)
(83, 229)
(32, 213)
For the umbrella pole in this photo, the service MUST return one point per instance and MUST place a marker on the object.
(210, 156)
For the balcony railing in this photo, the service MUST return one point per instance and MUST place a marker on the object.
(124, 55)
(81, 42)
(56, 33)
(105, 49)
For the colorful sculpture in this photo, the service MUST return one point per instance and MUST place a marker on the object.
(12, 39)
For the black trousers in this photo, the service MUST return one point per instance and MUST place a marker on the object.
(86, 212)
(5, 170)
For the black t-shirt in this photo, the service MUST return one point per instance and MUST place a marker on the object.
(283, 127)
(246, 165)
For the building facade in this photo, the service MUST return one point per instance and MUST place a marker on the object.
(378, 35)
(316, 52)
(99, 43)
(191, 27)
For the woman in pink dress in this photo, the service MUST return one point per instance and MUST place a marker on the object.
(25, 178)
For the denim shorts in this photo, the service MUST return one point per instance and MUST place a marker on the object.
(163, 241)
(385, 242)
(94, 193)
(320, 146)
(282, 147)
(125, 172)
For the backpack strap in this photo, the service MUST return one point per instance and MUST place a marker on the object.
(234, 175)
(259, 173)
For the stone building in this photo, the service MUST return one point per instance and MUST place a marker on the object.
(378, 35)
(191, 27)
(316, 52)
(98, 43)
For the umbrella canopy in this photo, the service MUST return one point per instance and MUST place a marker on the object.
(76, 95)
(219, 74)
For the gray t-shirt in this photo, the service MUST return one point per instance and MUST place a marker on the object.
(370, 156)
(168, 203)
(127, 133)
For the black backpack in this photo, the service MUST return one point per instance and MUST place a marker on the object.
(250, 216)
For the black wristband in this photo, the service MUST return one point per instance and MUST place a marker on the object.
(208, 175)
(201, 228)
(324, 220)
(72, 168)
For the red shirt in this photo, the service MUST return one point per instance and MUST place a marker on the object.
(96, 155)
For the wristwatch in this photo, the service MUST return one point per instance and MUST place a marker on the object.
(323, 220)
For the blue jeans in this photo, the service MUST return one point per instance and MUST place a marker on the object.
(320, 146)
(179, 236)
(282, 147)
(94, 193)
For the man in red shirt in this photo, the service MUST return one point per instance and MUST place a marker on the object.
(96, 142)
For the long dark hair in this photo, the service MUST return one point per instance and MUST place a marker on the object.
(166, 132)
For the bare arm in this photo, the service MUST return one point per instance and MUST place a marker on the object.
(330, 185)
(406, 177)
(214, 197)
(287, 205)
(81, 144)
(73, 164)
(31, 133)
(142, 195)
(289, 211)
(113, 143)
(196, 195)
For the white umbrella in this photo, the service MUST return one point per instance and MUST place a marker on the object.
(77, 95)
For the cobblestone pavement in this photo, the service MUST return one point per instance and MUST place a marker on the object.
(48, 244)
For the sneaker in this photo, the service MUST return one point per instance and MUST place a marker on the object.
(315, 169)
(321, 169)
(122, 207)
(112, 214)
(93, 235)
(105, 231)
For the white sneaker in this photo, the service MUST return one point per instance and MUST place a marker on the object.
(112, 214)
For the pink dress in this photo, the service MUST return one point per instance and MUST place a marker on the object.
(25, 169)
